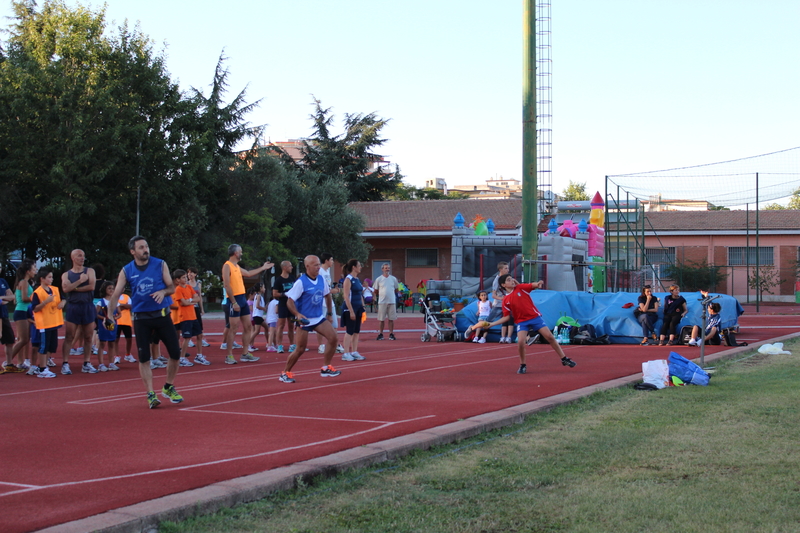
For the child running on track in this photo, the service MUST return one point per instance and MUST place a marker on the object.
(527, 318)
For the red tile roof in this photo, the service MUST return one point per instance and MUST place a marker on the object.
(782, 219)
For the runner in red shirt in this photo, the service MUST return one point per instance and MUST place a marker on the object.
(527, 318)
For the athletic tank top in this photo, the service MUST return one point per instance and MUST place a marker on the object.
(22, 306)
(50, 316)
(145, 282)
(74, 296)
(237, 284)
(356, 292)
(311, 301)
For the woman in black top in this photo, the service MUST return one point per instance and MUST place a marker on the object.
(647, 313)
(674, 311)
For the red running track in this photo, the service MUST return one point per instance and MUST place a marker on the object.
(80, 445)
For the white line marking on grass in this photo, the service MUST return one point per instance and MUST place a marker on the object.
(218, 462)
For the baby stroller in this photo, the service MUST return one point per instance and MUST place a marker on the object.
(438, 324)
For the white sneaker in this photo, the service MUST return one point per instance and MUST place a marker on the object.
(252, 349)
(321, 348)
(155, 363)
(476, 339)
(200, 359)
(191, 344)
(74, 352)
(223, 346)
(102, 368)
(205, 344)
(46, 373)
(482, 340)
(65, 369)
(357, 356)
(112, 366)
(117, 360)
(236, 345)
(130, 359)
(347, 356)
(340, 349)
(94, 350)
(32, 371)
(692, 342)
(185, 362)
(87, 368)
(51, 362)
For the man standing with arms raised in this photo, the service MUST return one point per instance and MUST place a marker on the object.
(234, 287)
(386, 287)
(78, 284)
(151, 286)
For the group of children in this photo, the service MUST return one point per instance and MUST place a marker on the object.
(44, 315)
(264, 315)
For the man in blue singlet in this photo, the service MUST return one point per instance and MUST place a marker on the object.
(78, 285)
(151, 286)
(309, 300)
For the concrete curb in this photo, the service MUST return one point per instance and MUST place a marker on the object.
(144, 517)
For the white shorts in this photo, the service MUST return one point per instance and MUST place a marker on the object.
(387, 311)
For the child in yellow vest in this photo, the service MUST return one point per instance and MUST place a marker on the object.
(48, 316)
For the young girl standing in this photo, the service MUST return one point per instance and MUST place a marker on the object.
(106, 338)
(272, 325)
(484, 308)
(259, 312)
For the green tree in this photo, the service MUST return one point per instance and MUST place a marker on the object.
(575, 192)
(695, 276)
(794, 203)
(348, 157)
(409, 192)
(84, 120)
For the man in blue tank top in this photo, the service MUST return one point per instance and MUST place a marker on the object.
(309, 300)
(151, 286)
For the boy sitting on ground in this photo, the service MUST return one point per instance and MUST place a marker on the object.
(712, 334)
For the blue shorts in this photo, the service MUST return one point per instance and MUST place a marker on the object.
(81, 313)
(190, 328)
(106, 335)
(244, 309)
(534, 324)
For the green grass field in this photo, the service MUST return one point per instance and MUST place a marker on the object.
(723, 458)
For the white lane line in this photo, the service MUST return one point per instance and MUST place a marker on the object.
(217, 462)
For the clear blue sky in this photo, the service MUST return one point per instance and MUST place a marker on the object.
(637, 84)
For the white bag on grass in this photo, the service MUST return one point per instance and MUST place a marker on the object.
(773, 349)
(656, 373)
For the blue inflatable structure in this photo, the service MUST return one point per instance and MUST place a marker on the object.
(606, 311)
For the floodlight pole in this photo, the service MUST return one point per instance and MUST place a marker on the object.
(529, 151)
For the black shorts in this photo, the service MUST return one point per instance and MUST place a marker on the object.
(160, 328)
(49, 341)
(127, 330)
(283, 309)
(352, 326)
(190, 328)
(258, 320)
(80, 313)
(8, 332)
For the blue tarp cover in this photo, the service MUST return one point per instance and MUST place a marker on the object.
(606, 313)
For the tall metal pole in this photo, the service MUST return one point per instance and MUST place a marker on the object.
(529, 186)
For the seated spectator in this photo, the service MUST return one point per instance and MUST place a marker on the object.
(647, 314)
(713, 332)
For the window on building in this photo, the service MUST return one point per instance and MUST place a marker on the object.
(660, 259)
(742, 255)
(422, 257)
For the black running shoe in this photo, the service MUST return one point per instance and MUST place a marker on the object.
(522, 369)
(380, 337)
(329, 372)
(533, 340)
(391, 337)
(566, 361)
